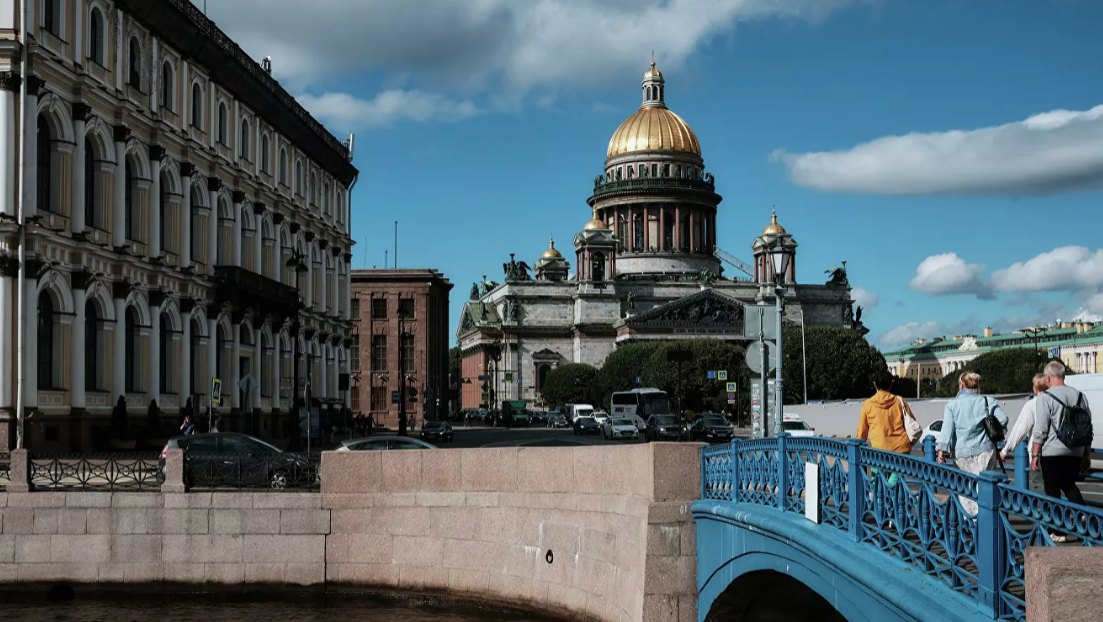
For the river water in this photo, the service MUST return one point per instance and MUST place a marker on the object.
(197, 607)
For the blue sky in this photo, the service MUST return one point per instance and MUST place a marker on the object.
(950, 150)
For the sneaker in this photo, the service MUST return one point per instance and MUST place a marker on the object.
(1058, 539)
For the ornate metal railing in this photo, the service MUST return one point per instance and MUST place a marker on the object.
(271, 471)
(96, 472)
(970, 532)
(5, 470)
(654, 183)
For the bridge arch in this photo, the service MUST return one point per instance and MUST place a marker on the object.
(761, 595)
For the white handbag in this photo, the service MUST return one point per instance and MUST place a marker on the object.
(911, 426)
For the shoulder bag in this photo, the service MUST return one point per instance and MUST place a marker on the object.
(911, 426)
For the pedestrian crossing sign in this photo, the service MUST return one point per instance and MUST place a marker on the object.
(731, 387)
(216, 391)
(509, 376)
(722, 374)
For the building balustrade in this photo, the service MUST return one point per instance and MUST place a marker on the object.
(602, 187)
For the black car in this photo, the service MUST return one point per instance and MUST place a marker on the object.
(241, 461)
(538, 417)
(556, 420)
(440, 431)
(664, 428)
(711, 428)
(586, 425)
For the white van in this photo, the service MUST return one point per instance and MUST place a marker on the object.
(580, 410)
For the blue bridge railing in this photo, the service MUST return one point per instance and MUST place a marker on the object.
(968, 531)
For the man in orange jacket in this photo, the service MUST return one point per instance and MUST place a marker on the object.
(882, 419)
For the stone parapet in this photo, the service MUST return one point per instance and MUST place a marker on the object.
(1062, 584)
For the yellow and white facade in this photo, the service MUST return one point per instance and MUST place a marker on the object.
(165, 180)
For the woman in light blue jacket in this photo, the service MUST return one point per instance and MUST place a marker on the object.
(963, 431)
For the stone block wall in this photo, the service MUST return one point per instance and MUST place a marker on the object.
(227, 538)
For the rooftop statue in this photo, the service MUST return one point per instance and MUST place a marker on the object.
(516, 270)
(838, 276)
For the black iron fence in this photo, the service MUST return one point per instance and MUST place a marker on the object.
(96, 472)
(5, 470)
(270, 471)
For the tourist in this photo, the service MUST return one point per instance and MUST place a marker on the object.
(881, 421)
(1024, 427)
(963, 431)
(188, 428)
(1060, 464)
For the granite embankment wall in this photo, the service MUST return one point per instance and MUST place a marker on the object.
(601, 532)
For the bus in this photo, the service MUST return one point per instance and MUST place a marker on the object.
(640, 402)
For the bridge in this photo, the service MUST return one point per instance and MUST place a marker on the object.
(810, 528)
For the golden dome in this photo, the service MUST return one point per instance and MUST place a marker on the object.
(595, 224)
(653, 73)
(653, 128)
(773, 228)
(551, 253)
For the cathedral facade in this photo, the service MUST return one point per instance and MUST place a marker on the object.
(646, 267)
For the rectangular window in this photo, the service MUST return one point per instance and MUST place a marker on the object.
(379, 353)
(655, 170)
(354, 353)
(355, 309)
(378, 398)
(666, 170)
(406, 308)
(407, 342)
(379, 308)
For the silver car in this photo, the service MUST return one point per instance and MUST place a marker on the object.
(620, 428)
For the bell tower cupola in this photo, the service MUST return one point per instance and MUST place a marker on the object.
(653, 85)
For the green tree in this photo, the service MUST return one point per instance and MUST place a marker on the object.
(573, 383)
(621, 369)
(689, 380)
(1001, 371)
(840, 364)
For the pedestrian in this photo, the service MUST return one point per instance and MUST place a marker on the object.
(216, 423)
(1023, 428)
(188, 428)
(882, 420)
(1062, 449)
(963, 431)
(371, 423)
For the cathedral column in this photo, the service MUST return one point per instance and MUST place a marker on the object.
(662, 228)
(678, 229)
(9, 86)
(154, 246)
(646, 227)
(186, 171)
(239, 198)
(32, 268)
(258, 238)
(76, 216)
(76, 384)
(153, 365)
(118, 217)
(118, 354)
(235, 363)
(214, 184)
(692, 231)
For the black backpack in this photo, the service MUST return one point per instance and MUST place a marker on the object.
(1075, 427)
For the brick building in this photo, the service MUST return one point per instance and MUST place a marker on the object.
(400, 326)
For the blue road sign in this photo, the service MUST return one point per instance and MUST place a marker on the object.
(712, 375)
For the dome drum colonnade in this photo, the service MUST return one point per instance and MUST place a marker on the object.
(654, 194)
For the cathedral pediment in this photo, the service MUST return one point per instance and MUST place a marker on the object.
(477, 314)
(707, 309)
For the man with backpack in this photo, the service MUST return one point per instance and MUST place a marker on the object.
(1062, 437)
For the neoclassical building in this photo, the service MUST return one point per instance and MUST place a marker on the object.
(168, 182)
(646, 266)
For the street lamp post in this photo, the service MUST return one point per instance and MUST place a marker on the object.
(779, 251)
(297, 262)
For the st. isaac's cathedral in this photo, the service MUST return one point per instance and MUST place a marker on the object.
(646, 267)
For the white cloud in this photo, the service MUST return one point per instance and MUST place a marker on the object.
(948, 274)
(341, 110)
(1091, 311)
(1047, 153)
(864, 298)
(907, 333)
(1068, 268)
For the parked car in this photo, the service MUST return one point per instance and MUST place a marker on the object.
(557, 420)
(601, 417)
(239, 460)
(383, 443)
(935, 430)
(538, 417)
(795, 427)
(711, 428)
(440, 431)
(586, 425)
(664, 428)
(620, 427)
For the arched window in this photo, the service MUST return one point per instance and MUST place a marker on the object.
(135, 72)
(313, 189)
(299, 178)
(196, 359)
(223, 121)
(133, 351)
(167, 86)
(283, 166)
(264, 167)
(326, 200)
(43, 162)
(597, 267)
(165, 229)
(91, 216)
(196, 106)
(91, 346)
(245, 139)
(45, 341)
(129, 207)
(96, 37)
(166, 356)
(637, 232)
